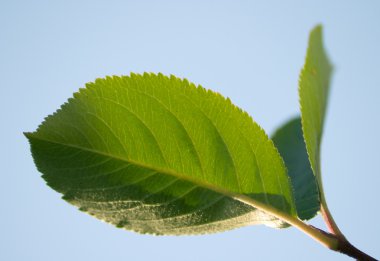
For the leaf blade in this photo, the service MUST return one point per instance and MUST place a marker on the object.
(289, 141)
(169, 126)
(313, 91)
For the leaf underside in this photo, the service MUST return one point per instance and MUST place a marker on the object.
(313, 91)
(290, 143)
(159, 155)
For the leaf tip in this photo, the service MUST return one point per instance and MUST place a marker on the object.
(28, 135)
(317, 28)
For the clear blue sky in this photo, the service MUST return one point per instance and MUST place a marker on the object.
(250, 51)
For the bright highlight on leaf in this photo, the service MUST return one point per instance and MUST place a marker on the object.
(159, 155)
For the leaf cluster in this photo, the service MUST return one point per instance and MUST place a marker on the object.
(160, 155)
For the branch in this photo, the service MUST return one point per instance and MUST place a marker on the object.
(347, 248)
(344, 246)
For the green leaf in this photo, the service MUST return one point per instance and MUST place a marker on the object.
(313, 95)
(290, 143)
(159, 155)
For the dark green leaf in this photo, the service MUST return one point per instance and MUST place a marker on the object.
(289, 142)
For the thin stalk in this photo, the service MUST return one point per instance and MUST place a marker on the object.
(329, 220)
(344, 246)
(322, 237)
(330, 240)
(326, 214)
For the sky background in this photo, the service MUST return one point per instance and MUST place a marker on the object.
(250, 51)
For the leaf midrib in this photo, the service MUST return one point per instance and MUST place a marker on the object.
(280, 214)
(139, 164)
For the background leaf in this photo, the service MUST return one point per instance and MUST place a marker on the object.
(290, 143)
(159, 155)
(314, 86)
